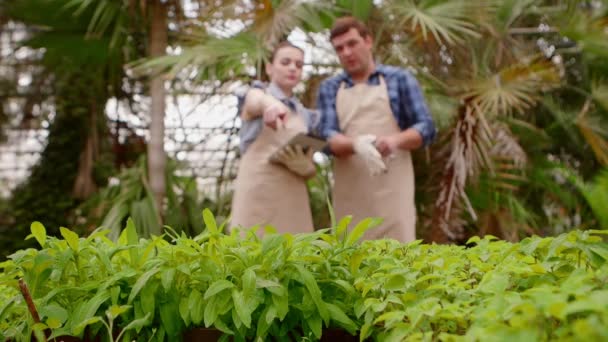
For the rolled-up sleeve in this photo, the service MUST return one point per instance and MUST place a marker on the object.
(414, 107)
(241, 94)
(326, 105)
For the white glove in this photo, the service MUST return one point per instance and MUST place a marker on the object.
(298, 162)
(364, 146)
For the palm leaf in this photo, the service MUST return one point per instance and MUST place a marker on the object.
(447, 22)
(515, 88)
(592, 133)
(104, 17)
(468, 153)
(215, 58)
(273, 23)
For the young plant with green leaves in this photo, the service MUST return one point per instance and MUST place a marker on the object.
(296, 286)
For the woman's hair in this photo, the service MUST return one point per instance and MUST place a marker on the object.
(281, 45)
(344, 24)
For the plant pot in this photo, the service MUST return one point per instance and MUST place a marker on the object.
(202, 335)
(338, 335)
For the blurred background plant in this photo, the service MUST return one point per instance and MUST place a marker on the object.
(517, 88)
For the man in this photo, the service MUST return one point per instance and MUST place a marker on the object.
(373, 115)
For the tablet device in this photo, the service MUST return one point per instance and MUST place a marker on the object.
(305, 140)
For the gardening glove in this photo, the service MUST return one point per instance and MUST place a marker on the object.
(364, 146)
(296, 160)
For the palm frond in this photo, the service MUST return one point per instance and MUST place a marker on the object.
(448, 22)
(469, 153)
(515, 88)
(592, 135)
(509, 11)
(273, 24)
(214, 58)
(107, 16)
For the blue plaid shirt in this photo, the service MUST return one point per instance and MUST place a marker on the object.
(405, 96)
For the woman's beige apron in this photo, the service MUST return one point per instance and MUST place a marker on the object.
(365, 109)
(267, 193)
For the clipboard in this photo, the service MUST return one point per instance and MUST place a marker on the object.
(307, 142)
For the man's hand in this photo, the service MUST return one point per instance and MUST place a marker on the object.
(365, 148)
(387, 145)
(297, 161)
(275, 115)
(410, 139)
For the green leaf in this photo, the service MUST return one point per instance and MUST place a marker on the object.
(494, 283)
(310, 283)
(148, 297)
(184, 310)
(243, 310)
(355, 261)
(390, 317)
(263, 323)
(249, 280)
(39, 232)
(271, 286)
(169, 316)
(140, 283)
(167, 278)
(80, 327)
(361, 228)
(138, 323)
(54, 311)
(280, 306)
(53, 323)
(7, 306)
(195, 307)
(117, 310)
(209, 220)
(211, 311)
(342, 227)
(70, 237)
(341, 318)
(316, 325)
(395, 282)
(271, 242)
(217, 287)
(85, 312)
(131, 239)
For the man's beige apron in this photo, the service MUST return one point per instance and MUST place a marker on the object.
(365, 109)
(267, 193)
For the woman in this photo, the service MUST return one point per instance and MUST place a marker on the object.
(269, 193)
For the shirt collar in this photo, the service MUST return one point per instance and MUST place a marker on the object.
(380, 70)
(275, 91)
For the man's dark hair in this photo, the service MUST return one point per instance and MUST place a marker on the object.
(344, 24)
(281, 45)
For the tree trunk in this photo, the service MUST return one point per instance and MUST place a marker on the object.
(84, 185)
(156, 152)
